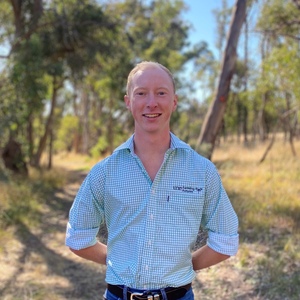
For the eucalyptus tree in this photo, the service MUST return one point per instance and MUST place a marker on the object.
(283, 69)
(236, 116)
(151, 30)
(214, 116)
(280, 18)
(154, 29)
(279, 25)
(52, 42)
(144, 31)
(222, 16)
(23, 89)
(89, 46)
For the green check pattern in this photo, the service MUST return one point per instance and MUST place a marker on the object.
(152, 226)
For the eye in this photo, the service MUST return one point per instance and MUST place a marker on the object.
(161, 93)
(140, 93)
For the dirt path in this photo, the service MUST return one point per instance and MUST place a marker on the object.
(36, 264)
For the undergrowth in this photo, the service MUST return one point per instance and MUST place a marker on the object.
(22, 199)
(266, 198)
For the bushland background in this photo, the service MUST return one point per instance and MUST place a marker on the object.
(61, 110)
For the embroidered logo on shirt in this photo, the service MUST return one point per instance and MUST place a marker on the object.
(187, 189)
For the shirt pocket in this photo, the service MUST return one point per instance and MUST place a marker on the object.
(180, 207)
(180, 216)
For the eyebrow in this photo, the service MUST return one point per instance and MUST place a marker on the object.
(146, 88)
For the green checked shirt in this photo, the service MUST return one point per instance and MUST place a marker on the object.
(153, 226)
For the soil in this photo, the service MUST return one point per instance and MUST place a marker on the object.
(35, 264)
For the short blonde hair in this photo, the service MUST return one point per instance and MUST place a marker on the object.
(146, 65)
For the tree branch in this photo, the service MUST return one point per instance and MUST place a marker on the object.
(282, 117)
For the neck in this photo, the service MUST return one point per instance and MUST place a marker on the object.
(146, 143)
(151, 150)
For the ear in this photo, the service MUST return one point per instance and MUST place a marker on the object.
(127, 101)
(175, 101)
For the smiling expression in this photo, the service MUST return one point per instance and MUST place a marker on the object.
(151, 99)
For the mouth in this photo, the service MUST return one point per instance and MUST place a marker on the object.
(151, 116)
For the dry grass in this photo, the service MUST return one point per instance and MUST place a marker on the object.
(22, 199)
(73, 161)
(266, 197)
(267, 200)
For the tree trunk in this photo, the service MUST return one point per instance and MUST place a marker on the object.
(48, 127)
(18, 17)
(22, 17)
(282, 119)
(262, 127)
(110, 129)
(13, 158)
(239, 116)
(85, 121)
(214, 116)
(30, 137)
(289, 124)
(50, 149)
(78, 133)
(245, 124)
(245, 110)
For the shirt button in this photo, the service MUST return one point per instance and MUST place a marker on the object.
(146, 267)
(153, 192)
(149, 242)
(151, 216)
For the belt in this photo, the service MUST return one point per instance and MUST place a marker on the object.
(172, 293)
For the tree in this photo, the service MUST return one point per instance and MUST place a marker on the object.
(279, 24)
(214, 117)
(38, 71)
(283, 65)
(147, 31)
(222, 17)
(280, 18)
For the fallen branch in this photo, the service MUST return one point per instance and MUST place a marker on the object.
(281, 118)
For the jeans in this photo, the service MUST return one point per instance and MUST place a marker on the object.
(188, 296)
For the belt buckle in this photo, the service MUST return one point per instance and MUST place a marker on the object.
(135, 294)
(149, 297)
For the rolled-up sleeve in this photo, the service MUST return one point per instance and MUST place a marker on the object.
(86, 213)
(224, 244)
(219, 218)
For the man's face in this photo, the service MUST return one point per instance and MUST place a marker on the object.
(151, 100)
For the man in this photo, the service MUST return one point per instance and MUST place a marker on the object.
(153, 192)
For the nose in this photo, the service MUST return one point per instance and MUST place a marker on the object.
(151, 101)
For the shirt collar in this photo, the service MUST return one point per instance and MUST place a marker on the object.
(175, 144)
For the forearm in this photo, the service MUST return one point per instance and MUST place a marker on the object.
(96, 253)
(206, 257)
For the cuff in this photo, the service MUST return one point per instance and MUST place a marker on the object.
(224, 244)
(80, 238)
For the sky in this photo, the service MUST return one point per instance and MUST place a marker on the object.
(201, 16)
(204, 29)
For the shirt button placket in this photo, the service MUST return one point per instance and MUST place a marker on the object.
(149, 236)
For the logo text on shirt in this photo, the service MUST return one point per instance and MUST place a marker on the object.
(187, 189)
